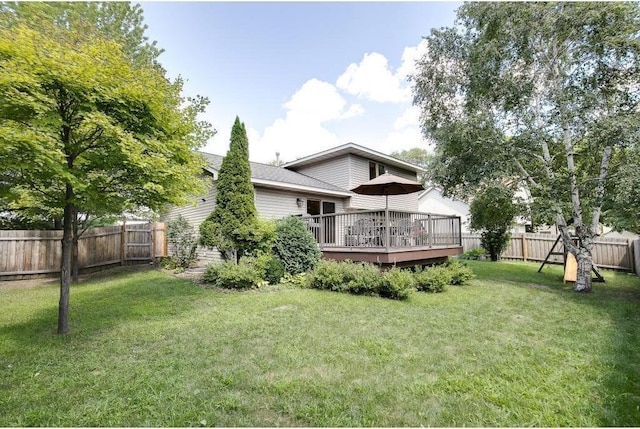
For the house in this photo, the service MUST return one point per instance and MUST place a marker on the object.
(433, 200)
(346, 225)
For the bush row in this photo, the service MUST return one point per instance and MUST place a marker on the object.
(366, 279)
(347, 277)
(360, 279)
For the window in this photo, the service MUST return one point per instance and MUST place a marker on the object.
(376, 169)
(313, 207)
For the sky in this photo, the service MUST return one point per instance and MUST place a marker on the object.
(302, 76)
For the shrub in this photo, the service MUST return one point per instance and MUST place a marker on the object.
(269, 267)
(264, 236)
(297, 280)
(363, 279)
(295, 246)
(360, 279)
(473, 254)
(328, 275)
(397, 284)
(432, 279)
(181, 242)
(460, 273)
(229, 275)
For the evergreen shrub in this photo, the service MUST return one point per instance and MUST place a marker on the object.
(295, 246)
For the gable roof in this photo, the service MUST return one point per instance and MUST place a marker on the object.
(352, 148)
(280, 178)
(439, 189)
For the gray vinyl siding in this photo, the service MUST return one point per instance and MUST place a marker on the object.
(276, 204)
(335, 171)
(270, 204)
(360, 174)
(196, 214)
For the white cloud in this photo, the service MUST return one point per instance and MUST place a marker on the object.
(302, 131)
(374, 80)
(410, 118)
(310, 112)
(409, 57)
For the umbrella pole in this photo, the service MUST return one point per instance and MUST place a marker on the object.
(387, 223)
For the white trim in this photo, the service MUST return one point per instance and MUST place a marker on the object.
(301, 188)
(356, 150)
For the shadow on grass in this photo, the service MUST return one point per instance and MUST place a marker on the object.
(619, 299)
(103, 302)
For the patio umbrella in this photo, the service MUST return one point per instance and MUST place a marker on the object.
(388, 184)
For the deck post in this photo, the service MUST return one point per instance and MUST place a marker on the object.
(386, 228)
(322, 231)
(430, 230)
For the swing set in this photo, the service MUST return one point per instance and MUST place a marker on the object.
(570, 263)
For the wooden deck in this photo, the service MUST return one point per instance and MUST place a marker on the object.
(398, 257)
(387, 237)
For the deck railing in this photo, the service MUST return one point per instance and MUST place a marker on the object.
(374, 229)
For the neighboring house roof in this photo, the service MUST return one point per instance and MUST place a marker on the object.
(280, 178)
(432, 188)
(352, 148)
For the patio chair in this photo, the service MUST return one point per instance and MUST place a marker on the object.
(361, 233)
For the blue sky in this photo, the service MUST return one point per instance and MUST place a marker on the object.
(302, 76)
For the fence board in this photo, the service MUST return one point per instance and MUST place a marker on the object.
(24, 253)
(614, 253)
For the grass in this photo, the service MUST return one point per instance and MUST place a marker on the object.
(513, 348)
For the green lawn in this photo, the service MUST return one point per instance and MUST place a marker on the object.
(512, 348)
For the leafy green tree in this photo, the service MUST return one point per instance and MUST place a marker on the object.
(232, 226)
(97, 132)
(549, 105)
(419, 157)
(492, 212)
(622, 205)
(120, 22)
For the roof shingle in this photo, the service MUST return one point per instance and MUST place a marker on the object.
(277, 174)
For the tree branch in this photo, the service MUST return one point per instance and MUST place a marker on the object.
(604, 172)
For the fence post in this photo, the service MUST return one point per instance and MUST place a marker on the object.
(524, 247)
(123, 243)
(636, 256)
(153, 242)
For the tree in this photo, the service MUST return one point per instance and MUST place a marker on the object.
(231, 227)
(419, 157)
(622, 206)
(117, 21)
(548, 105)
(96, 133)
(492, 212)
(120, 22)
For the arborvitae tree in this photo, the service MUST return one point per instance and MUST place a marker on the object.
(231, 227)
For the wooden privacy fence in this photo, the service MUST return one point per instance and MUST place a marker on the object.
(613, 253)
(30, 253)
